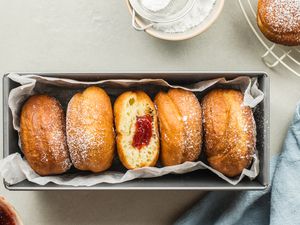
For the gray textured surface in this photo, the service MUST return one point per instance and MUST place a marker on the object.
(95, 36)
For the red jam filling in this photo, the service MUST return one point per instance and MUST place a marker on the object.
(143, 131)
(6, 217)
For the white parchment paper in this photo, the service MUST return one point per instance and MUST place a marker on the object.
(15, 169)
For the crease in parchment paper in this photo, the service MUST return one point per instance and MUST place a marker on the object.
(15, 169)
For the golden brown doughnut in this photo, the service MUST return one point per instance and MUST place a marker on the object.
(279, 20)
(90, 132)
(42, 133)
(179, 114)
(229, 131)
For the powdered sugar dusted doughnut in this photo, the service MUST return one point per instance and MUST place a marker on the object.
(90, 132)
(229, 131)
(179, 114)
(43, 138)
(279, 20)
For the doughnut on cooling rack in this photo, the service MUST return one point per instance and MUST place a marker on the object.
(275, 54)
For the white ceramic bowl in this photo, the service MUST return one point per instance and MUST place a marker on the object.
(6, 206)
(208, 21)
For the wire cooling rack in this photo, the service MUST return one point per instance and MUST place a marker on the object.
(275, 54)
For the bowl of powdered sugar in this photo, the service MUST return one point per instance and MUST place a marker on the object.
(174, 20)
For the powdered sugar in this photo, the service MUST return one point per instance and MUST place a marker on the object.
(283, 15)
(80, 142)
(193, 129)
(155, 5)
(196, 16)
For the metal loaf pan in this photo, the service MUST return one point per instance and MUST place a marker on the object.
(197, 180)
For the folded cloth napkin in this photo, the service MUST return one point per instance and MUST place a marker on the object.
(278, 205)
